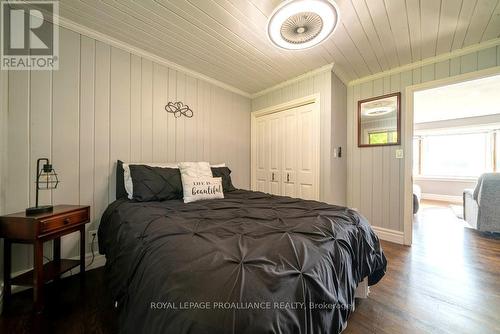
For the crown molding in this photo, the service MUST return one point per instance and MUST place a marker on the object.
(78, 28)
(431, 60)
(325, 68)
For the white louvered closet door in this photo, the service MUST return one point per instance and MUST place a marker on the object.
(286, 152)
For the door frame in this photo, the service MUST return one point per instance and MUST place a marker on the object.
(310, 99)
(408, 144)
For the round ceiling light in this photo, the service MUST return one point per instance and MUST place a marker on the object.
(301, 24)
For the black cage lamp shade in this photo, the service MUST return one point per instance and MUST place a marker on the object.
(46, 179)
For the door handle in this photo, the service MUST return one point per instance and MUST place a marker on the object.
(272, 176)
(287, 177)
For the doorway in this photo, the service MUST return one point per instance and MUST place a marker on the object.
(448, 144)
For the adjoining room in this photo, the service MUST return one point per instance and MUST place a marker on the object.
(456, 147)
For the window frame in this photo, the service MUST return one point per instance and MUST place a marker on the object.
(492, 135)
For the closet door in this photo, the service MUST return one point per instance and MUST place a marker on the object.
(290, 156)
(275, 152)
(285, 152)
(308, 152)
(261, 163)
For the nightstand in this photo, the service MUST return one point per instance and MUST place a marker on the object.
(36, 229)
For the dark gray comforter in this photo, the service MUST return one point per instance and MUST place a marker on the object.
(249, 263)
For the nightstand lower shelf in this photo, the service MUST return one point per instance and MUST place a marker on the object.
(51, 270)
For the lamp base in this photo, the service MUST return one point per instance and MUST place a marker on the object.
(39, 209)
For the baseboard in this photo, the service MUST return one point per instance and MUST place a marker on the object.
(389, 235)
(99, 261)
(442, 198)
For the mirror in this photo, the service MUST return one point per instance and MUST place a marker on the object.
(379, 122)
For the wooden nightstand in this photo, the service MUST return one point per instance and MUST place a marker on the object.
(36, 229)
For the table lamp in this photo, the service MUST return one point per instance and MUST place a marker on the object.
(46, 179)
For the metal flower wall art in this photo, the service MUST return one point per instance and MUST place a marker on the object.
(179, 109)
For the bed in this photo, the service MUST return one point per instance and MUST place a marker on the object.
(248, 263)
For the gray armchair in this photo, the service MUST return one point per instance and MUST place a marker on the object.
(482, 205)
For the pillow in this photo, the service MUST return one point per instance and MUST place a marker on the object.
(200, 188)
(120, 190)
(129, 185)
(155, 183)
(195, 169)
(224, 173)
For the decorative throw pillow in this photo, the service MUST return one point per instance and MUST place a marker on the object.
(225, 174)
(195, 169)
(155, 183)
(200, 188)
(127, 176)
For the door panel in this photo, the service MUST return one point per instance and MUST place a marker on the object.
(261, 155)
(275, 157)
(290, 153)
(307, 151)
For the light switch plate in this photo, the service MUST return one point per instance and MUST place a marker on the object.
(399, 154)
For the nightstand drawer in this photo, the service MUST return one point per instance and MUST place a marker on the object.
(63, 221)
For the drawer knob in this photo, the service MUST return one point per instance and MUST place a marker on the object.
(66, 221)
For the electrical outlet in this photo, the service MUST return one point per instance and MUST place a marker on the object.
(92, 233)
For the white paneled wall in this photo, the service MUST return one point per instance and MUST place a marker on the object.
(375, 176)
(3, 135)
(105, 104)
(3, 144)
(333, 117)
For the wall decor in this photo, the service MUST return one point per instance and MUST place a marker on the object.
(379, 121)
(179, 109)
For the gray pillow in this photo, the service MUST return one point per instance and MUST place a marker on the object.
(155, 183)
(225, 174)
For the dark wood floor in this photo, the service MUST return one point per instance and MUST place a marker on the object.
(72, 308)
(447, 282)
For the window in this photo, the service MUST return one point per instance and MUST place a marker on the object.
(455, 155)
(382, 137)
(416, 155)
(496, 157)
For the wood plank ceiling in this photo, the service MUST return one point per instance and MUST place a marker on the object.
(226, 39)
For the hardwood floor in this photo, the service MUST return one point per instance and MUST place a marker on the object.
(447, 282)
(70, 308)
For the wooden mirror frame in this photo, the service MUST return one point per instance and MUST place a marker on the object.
(398, 120)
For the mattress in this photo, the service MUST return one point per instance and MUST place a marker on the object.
(248, 263)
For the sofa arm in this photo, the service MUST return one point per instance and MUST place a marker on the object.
(470, 208)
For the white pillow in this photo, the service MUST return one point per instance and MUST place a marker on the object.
(127, 177)
(195, 169)
(199, 188)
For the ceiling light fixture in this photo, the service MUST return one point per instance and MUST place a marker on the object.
(302, 24)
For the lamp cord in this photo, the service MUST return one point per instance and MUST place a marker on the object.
(92, 250)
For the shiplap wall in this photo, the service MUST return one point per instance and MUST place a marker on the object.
(3, 145)
(333, 117)
(105, 104)
(375, 176)
(3, 135)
